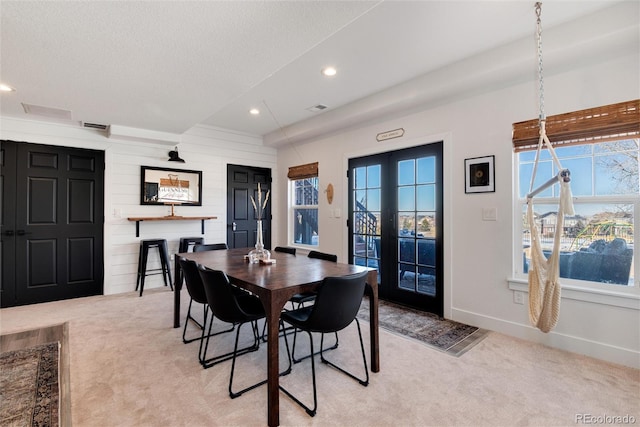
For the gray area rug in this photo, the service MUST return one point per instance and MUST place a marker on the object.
(444, 335)
(29, 390)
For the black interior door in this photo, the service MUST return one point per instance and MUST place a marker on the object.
(242, 184)
(395, 223)
(52, 229)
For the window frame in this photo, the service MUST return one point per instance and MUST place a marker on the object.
(291, 217)
(627, 296)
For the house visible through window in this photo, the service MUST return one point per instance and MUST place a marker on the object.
(598, 241)
(303, 216)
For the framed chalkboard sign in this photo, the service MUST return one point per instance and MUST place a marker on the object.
(165, 186)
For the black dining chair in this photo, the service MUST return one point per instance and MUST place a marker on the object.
(299, 300)
(239, 309)
(209, 247)
(305, 297)
(195, 288)
(336, 307)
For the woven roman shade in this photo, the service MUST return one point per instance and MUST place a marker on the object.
(309, 170)
(593, 125)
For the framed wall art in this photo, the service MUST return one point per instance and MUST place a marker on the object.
(479, 175)
(161, 186)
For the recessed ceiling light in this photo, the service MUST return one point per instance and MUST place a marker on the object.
(329, 71)
(6, 88)
(254, 111)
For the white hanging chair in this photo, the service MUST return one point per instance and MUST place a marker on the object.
(544, 287)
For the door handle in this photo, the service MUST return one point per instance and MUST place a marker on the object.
(22, 232)
(233, 226)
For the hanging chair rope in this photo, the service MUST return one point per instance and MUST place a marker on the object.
(544, 287)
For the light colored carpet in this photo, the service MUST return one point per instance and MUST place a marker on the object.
(130, 368)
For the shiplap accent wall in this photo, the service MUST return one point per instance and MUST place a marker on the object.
(203, 148)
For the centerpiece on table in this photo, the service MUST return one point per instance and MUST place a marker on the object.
(259, 253)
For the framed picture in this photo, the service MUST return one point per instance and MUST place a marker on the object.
(479, 175)
(161, 186)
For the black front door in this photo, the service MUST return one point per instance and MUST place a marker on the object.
(395, 223)
(52, 223)
(242, 184)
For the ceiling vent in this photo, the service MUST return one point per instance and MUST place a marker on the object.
(94, 126)
(317, 108)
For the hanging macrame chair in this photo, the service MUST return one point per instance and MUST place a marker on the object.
(544, 287)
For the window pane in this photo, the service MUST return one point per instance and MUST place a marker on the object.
(426, 197)
(305, 220)
(426, 170)
(426, 226)
(543, 174)
(373, 176)
(373, 200)
(530, 156)
(581, 178)
(615, 146)
(406, 172)
(306, 226)
(360, 197)
(360, 177)
(406, 223)
(573, 151)
(617, 174)
(597, 244)
(406, 198)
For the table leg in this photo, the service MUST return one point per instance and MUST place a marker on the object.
(372, 290)
(177, 285)
(273, 307)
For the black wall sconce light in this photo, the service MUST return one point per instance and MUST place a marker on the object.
(174, 157)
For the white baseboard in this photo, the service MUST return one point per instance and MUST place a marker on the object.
(598, 350)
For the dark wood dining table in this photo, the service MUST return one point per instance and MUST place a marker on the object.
(275, 284)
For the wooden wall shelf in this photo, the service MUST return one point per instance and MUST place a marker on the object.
(138, 220)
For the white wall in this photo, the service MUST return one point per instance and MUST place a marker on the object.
(203, 148)
(478, 254)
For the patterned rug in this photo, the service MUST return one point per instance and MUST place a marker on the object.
(29, 386)
(445, 335)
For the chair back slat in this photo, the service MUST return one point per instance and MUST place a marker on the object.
(285, 249)
(322, 255)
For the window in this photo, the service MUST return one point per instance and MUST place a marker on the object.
(597, 247)
(303, 212)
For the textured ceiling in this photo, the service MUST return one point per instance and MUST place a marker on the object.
(169, 65)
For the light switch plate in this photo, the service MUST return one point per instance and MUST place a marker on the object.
(489, 214)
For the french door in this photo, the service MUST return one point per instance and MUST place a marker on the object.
(395, 223)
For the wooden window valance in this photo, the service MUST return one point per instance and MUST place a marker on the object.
(593, 125)
(309, 170)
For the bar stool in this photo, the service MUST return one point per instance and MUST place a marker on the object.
(188, 242)
(145, 245)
